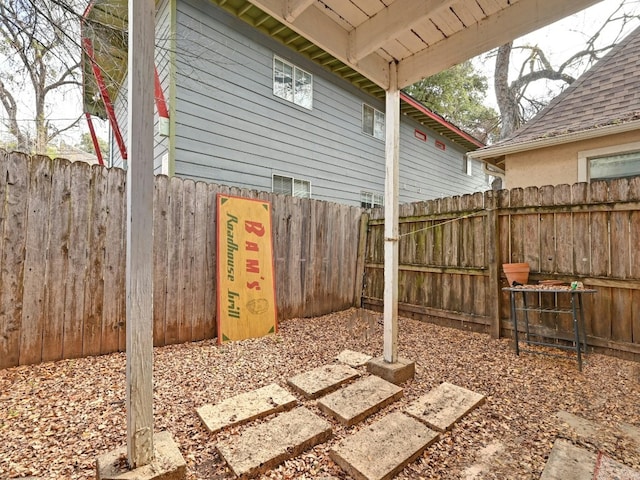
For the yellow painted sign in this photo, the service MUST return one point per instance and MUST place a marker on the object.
(246, 281)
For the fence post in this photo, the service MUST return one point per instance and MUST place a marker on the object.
(362, 251)
(493, 260)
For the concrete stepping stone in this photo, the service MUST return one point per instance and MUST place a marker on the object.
(246, 407)
(607, 468)
(353, 359)
(322, 380)
(568, 462)
(362, 398)
(444, 405)
(263, 446)
(381, 450)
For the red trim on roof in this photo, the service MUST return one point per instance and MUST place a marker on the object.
(437, 118)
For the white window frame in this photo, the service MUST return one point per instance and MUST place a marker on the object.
(585, 155)
(293, 184)
(468, 166)
(297, 71)
(374, 200)
(377, 114)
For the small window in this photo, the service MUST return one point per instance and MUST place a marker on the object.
(291, 186)
(614, 166)
(371, 200)
(292, 83)
(372, 121)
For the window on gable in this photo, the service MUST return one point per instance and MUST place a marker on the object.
(371, 200)
(291, 186)
(372, 121)
(292, 83)
(614, 166)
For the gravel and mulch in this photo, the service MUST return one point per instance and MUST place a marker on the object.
(56, 418)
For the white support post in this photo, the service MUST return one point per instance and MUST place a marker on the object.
(392, 156)
(139, 282)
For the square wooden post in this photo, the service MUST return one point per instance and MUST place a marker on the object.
(139, 281)
(392, 182)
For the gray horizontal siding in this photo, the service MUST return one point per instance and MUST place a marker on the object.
(231, 129)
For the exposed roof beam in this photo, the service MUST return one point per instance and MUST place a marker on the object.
(512, 22)
(401, 15)
(322, 30)
(293, 8)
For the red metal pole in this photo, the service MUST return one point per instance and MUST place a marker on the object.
(105, 98)
(94, 139)
(161, 104)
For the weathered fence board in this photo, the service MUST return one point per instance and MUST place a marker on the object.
(12, 272)
(57, 248)
(94, 294)
(160, 229)
(63, 258)
(33, 314)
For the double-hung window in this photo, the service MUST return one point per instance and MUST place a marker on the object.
(372, 121)
(291, 186)
(292, 83)
(371, 200)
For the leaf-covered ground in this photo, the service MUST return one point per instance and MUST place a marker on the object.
(56, 418)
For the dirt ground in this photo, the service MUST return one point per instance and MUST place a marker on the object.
(56, 418)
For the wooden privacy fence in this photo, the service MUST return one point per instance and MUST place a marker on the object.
(62, 258)
(451, 251)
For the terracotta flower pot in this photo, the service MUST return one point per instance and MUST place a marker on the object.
(516, 272)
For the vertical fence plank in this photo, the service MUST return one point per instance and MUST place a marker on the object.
(547, 232)
(619, 230)
(493, 238)
(14, 214)
(199, 270)
(174, 228)
(77, 265)
(59, 216)
(581, 235)
(564, 231)
(599, 231)
(518, 234)
(186, 286)
(531, 228)
(113, 311)
(33, 295)
(160, 226)
(211, 242)
(94, 288)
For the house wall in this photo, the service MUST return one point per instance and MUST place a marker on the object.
(232, 130)
(558, 164)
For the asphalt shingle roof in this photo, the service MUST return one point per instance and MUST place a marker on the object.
(606, 94)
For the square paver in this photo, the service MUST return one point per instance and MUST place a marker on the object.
(322, 380)
(245, 407)
(353, 359)
(362, 398)
(381, 450)
(263, 446)
(444, 405)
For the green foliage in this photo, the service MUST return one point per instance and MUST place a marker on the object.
(457, 94)
(86, 144)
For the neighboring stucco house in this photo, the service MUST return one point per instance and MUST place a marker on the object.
(590, 131)
(252, 104)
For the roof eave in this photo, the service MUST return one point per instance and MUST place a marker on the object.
(489, 153)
